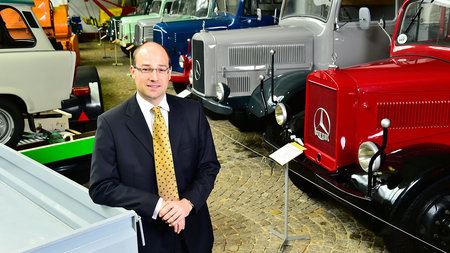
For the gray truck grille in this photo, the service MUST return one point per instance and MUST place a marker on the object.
(148, 33)
(260, 54)
(239, 86)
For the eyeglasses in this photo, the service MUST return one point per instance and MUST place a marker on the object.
(159, 70)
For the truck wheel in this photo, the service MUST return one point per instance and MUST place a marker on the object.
(127, 52)
(11, 123)
(427, 217)
(179, 87)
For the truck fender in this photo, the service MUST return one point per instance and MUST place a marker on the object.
(420, 198)
(419, 167)
(286, 86)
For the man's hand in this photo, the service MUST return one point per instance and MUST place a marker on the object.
(175, 212)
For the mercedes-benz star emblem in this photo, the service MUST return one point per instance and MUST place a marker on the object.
(197, 70)
(322, 125)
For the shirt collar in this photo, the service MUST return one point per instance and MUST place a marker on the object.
(147, 106)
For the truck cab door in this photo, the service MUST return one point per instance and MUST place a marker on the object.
(260, 13)
(355, 45)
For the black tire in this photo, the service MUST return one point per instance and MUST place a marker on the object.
(11, 123)
(127, 52)
(179, 87)
(428, 218)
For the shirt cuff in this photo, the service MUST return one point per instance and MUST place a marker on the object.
(157, 208)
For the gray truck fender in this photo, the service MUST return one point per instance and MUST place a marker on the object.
(285, 85)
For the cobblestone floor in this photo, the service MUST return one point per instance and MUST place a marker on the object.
(248, 198)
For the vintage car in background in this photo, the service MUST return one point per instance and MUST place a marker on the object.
(174, 10)
(227, 65)
(112, 24)
(36, 78)
(229, 14)
(377, 135)
(123, 33)
(188, 9)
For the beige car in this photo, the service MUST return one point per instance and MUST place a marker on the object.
(34, 76)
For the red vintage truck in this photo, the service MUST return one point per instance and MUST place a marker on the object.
(377, 135)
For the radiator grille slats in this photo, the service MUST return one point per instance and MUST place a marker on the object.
(415, 114)
(239, 86)
(260, 54)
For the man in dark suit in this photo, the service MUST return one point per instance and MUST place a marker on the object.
(123, 167)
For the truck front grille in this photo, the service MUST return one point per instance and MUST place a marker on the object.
(260, 54)
(415, 114)
(137, 34)
(198, 67)
(148, 33)
(321, 111)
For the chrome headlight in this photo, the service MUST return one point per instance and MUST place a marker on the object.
(222, 91)
(281, 114)
(181, 61)
(365, 153)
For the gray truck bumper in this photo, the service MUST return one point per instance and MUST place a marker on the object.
(211, 104)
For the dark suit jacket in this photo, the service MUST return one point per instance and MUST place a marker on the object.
(123, 174)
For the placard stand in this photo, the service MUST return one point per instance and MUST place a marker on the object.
(283, 156)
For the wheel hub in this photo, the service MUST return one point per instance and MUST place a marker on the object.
(435, 223)
(6, 126)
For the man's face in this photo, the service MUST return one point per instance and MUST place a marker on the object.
(152, 86)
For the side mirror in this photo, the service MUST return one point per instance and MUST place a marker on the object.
(258, 14)
(364, 18)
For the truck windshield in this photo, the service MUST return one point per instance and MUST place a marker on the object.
(196, 8)
(319, 9)
(155, 7)
(227, 6)
(141, 7)
(426, 22)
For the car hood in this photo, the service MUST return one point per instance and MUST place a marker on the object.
(402, 73)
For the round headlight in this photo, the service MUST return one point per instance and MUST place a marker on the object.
(280, 114)
(181, 61)
(365, 153)
(220, 92)
(191, 76)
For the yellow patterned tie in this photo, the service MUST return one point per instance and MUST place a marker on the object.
(165, 173)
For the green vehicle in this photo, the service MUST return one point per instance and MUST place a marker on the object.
(143, 8)
(169, 10)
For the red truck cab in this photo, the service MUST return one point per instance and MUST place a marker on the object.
(377, 135)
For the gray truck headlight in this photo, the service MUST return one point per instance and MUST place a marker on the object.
(281, 114)
(365, 152)
(222, 91)
(181, 61)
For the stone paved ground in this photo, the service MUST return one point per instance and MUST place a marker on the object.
(248, 198)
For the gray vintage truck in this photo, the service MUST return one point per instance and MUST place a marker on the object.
(227, 65)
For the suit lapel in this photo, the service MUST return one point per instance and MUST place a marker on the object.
(175, 125)
(138, 126)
